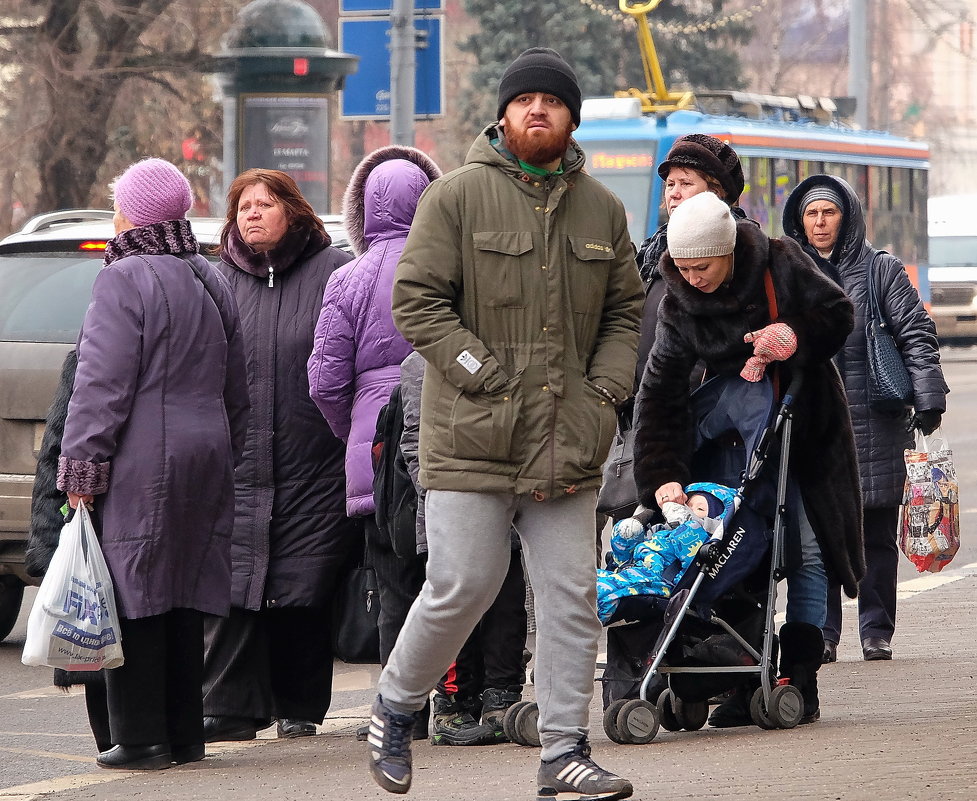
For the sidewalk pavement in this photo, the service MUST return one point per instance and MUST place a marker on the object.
(904, 730)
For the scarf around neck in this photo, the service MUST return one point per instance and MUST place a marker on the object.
(296, 246)
(170, 237)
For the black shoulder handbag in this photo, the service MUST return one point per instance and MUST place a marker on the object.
(618, 496)
(890, 389)
(356, 617)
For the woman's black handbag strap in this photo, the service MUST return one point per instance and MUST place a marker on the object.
(874, 307)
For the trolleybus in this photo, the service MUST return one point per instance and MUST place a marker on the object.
(624, 147)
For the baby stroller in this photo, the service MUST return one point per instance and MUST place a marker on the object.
(717, 628)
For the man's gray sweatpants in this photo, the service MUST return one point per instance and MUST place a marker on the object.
(468, 535)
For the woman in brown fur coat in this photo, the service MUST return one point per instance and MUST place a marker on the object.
(717, 309)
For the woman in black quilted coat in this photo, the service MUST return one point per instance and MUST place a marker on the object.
(880, 439)
(272, 657)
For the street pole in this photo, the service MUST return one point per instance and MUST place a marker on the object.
(858, 60)
(402, 68)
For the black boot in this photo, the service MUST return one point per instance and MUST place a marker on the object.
(735, 710)
(455, 725)
(495, 703)
(801, 655)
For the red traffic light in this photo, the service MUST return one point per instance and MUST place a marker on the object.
(300, 66)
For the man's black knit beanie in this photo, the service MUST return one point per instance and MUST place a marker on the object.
(540, 69)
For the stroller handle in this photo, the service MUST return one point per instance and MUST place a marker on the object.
(792, 389)
(762, 450)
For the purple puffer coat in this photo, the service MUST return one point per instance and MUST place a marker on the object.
(356, 359)
(158, 414)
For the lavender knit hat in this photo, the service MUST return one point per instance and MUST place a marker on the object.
(152, 190)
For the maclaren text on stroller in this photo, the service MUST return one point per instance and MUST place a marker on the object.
(716, 634)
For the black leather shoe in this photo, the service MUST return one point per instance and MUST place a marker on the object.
(182, 754)
(292, 727)
(830, 652)
(136, 757)
(876, 648)
(228, 729)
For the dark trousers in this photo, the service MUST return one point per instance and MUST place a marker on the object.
(398, 579)
(96, 704)
(492, 657)
(154, 697)
(877, 590)
(268, 664)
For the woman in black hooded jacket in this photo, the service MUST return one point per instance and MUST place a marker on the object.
(880, 439)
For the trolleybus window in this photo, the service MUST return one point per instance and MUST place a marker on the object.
(627, 170)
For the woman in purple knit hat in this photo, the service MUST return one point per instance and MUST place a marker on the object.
(156, 421)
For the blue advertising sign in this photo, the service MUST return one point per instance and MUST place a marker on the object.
(366, 94)
(379, 6)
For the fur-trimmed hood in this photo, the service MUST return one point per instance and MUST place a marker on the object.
(384, 189)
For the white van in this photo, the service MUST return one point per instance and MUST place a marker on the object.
(953, 265)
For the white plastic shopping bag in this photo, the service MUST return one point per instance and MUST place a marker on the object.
(73, 623)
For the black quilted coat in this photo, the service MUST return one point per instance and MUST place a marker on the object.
(880, 439)
(290, 524)
(693, 325)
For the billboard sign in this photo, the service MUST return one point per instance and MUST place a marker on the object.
(289, 133)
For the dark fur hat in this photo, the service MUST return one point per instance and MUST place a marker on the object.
(711, 156)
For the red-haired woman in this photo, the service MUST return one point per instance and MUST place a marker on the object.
(272, 658)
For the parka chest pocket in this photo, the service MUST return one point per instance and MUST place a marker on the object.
(499, 268)
(589, 265)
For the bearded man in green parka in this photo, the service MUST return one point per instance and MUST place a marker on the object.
(519, 287)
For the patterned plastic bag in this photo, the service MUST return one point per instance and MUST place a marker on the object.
(929, 518)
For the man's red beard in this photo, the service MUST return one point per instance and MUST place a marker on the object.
(537, 147)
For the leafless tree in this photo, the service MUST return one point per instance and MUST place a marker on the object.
(90, 70)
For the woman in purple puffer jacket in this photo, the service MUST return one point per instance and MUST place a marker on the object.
(356, 359)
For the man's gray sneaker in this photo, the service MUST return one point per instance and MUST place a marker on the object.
(389, 740)
(574, 776)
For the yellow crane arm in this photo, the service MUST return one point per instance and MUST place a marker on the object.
(655, 97)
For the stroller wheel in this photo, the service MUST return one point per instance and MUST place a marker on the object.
(758, 710)
(786, 706)
(526, 725)
(666, 712)
(692, 715)
(637, 722)
(509, 721)
(610, 721)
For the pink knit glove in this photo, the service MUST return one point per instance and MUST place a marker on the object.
(775, 343)
(753, 369)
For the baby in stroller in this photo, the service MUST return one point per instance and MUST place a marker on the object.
(649, 560)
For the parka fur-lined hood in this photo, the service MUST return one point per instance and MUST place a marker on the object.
(391, 190)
